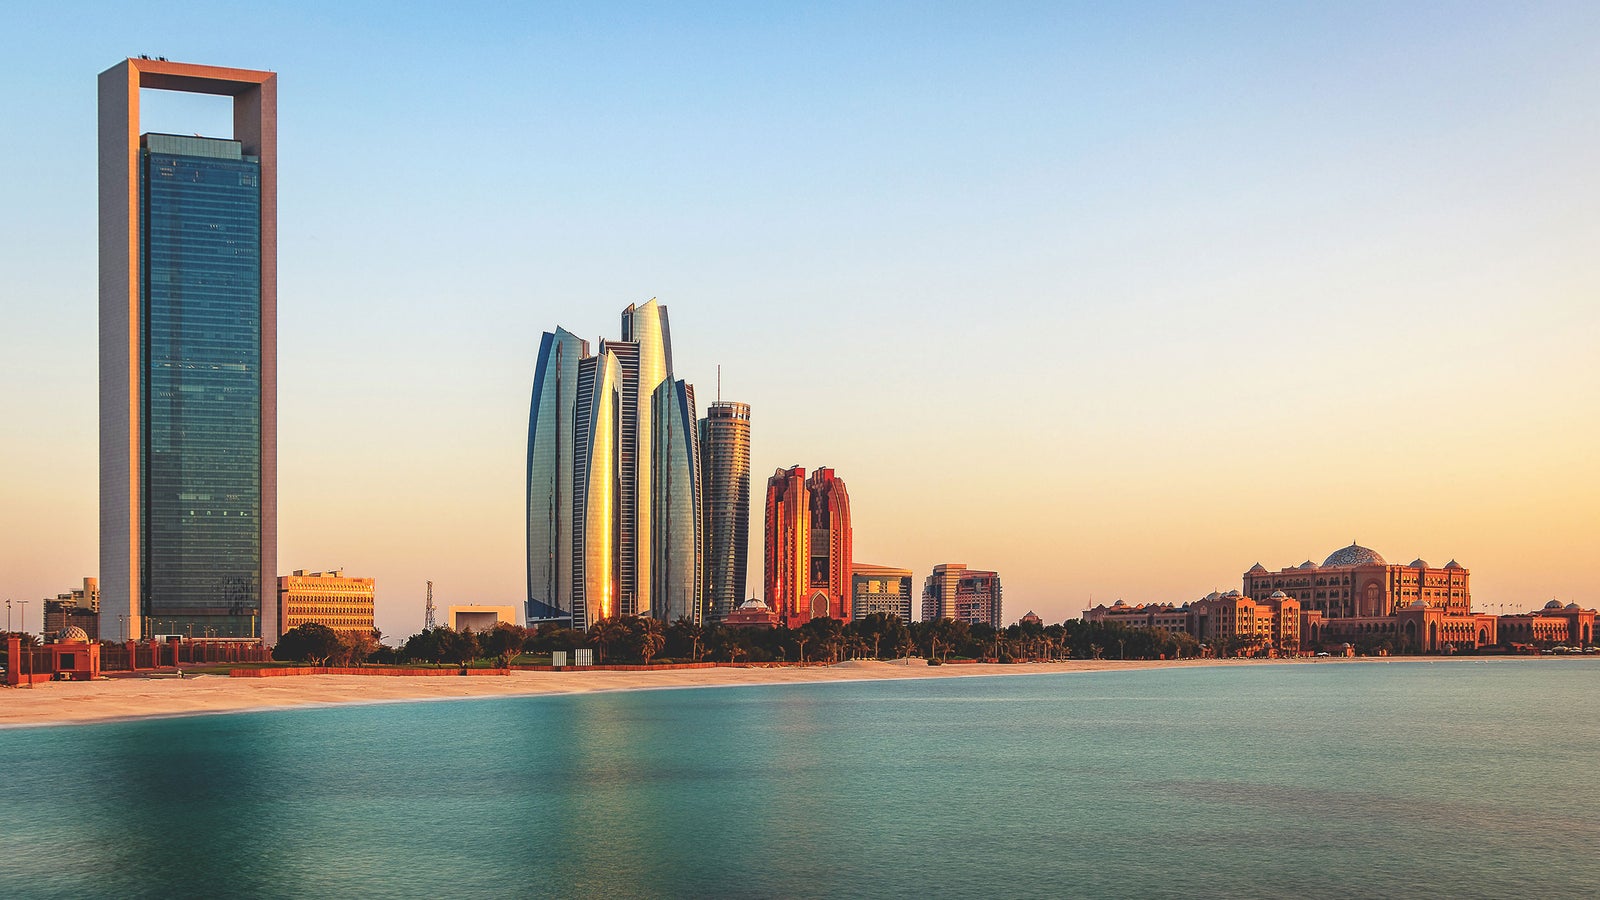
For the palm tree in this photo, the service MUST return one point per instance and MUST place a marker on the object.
(603, 632)
(647, 638)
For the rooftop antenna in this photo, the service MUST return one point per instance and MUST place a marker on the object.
(427, 611)
(719, 382)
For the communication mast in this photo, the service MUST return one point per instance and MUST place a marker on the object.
(428, 611)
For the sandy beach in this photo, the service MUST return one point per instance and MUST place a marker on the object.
(79, 702)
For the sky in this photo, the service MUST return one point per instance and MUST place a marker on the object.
(1115, 300)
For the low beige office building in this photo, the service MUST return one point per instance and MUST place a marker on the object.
(329, 598)
(480, 617)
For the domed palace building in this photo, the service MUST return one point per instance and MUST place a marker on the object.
(1357, 593)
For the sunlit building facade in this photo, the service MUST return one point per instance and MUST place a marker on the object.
(614, 520)
(551, 444)
(327, 598)
(787, 548)
(1554, 625)
(188, 359)
(1356, 595)
(880, 589)
(725, 491)
(1355, 581)
(832, 544)
(954, 591)
(807, 572)
(594, 510)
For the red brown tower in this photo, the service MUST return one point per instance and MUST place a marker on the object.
(808, 546)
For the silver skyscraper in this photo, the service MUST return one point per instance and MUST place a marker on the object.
(725, 489)
(613, 478)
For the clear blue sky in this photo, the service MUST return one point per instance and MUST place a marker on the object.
(1114, 299)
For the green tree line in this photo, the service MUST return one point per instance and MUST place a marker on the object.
(634, 639)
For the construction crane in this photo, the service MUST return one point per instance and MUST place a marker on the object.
(428, 611)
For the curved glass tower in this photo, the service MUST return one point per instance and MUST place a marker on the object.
(550, 447)
(646, 364)
(677, 529)
(613, 498)
(594, 512)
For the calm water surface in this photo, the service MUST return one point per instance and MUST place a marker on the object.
(1404, 779)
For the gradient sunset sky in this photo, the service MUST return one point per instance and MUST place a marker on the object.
(1117, 300)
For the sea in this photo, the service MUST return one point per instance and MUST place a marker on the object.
(1406, 778)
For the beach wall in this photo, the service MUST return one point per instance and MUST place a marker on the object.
(279, 672)
(352, 670)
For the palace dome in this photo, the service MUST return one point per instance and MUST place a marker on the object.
(755, 603)
(1308, 564)
(1278, 595)
(1353, 555)
(1571, 607)
(73, 634)
(1257, 569)
(1553, 604)
(1452, 564)
(1419, 563)
(1419, 604)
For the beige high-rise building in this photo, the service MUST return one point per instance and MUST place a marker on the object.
(880, 589)
(954, 591)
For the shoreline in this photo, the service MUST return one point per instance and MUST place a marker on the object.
(60, 703)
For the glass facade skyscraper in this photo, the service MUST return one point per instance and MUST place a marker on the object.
(188, 361)
(551, 443)
(632, 488)
(677, 504)
(725, 487)
(200, 211)
(594, 472)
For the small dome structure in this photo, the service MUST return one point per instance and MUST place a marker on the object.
(1257, 569)
(1278, 595)
(1572, 607)
(755, 604)
(1353, 555)
(1452, 564)
(1419, 563)
(1231, 594)
(1553, 604)
(1308, 564)
(1419, 604)
(72, 634)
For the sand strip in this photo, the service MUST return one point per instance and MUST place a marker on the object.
(72, 702)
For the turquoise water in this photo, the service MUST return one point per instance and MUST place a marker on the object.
(1447, 778)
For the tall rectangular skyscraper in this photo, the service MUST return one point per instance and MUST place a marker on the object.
(725, 489)
(188, 360)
